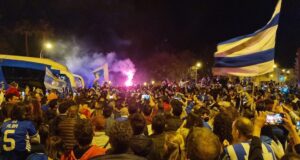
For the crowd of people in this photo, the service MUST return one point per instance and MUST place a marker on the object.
(214, 119)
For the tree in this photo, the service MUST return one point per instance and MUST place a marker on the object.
(166, 65)
(41, 30)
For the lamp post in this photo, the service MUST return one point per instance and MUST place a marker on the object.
(275, 67)
(46, 46)
(198, 65)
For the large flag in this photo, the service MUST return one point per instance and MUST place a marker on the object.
(52, 82)
(102, 73)
(248, 55)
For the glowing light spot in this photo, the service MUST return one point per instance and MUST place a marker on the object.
(129, 75)
(48, 45)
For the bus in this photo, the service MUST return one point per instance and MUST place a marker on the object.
(31, 71)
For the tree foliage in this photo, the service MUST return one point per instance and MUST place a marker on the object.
(166, 65)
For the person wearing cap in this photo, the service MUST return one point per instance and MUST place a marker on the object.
(12, 98)
(12, 94)
(13, 89)
(100, 138)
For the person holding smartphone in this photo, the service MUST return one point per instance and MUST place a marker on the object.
(288, 124)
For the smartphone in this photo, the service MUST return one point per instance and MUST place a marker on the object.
(274, 119)
(298, 125)
(177, 98)
(145, 97)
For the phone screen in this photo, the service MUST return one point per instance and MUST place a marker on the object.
(298, 125)
(274, 119)
(23, 94)
(145, 96)
(177, 98)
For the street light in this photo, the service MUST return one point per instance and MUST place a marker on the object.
(198, 65)
(46, 46)
(152, 82)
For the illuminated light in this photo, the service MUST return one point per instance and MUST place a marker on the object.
(198, 64)
(48, 45)
(271, 75)
(129, 82)
(281, 79)
(283, 70)
(152, 82)
(109, 82)
(288, 72)
(145, 83)
(275, 66)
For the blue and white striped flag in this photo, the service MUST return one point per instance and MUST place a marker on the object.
(248, 55)
(52, 82)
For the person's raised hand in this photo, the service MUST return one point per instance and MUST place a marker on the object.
(151, 101)
(288, 124)
(259, 122)
(260, 119)
(285, 108)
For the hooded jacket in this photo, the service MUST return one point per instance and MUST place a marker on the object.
(141, 145)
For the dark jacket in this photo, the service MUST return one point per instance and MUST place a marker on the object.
(53, 124)
(255, 152)
(66, 132)
(297, 148)
(158, 147)
(173, 123)
(141, 145)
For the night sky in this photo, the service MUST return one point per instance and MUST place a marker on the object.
(140, 28)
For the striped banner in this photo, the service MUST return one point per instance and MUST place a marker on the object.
(248, 55)
(52, 82)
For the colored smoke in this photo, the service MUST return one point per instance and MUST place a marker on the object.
(82, 62)
(129, 82)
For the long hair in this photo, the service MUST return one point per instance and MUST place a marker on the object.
(19, 112)
(36, 115)
(36, 108)
(174, 144)
(54, 147)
